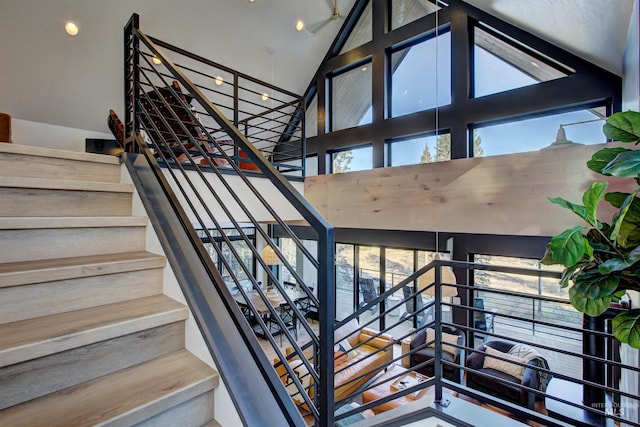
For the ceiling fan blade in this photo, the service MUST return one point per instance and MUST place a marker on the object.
(314, 28)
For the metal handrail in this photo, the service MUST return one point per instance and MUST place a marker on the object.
(175, 144)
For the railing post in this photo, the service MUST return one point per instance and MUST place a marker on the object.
(131, 77)
(438, 329)
(326, 296)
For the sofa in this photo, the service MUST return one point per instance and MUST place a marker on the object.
(422, 355)
(511, 389)
(352, 361)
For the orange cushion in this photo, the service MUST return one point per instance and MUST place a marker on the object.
(250, 166)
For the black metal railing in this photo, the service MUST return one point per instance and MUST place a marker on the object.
(571, 371)
(318, 370)
(170, 120)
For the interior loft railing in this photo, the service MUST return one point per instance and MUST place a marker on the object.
(579, 382)
(269, 117)
(170, 120)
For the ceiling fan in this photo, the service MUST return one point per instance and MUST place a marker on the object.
(335, 16)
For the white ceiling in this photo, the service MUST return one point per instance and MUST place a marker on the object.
(47, 76)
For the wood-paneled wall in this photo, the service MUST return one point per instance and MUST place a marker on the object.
(495, 195)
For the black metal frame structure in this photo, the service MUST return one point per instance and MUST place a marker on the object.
(585, 86)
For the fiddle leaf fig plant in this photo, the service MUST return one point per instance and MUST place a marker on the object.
(600, 259)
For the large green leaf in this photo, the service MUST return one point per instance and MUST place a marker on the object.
(617, 264)
(603, 157)
(629, 232)
(568, 247)
(624, 165)
(579, 210)
(591, 198)
(592, 292)
(623, 126)
(619, 217)
(626, 327)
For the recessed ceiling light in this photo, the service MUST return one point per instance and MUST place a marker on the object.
(299, 25)
(265, 96)
(535, 64)
(364, 68)
(71, 28)
(156, 60)
(219, 80)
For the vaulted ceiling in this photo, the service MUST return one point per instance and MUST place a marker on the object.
(47, 76)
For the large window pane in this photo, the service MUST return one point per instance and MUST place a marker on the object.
(352, 160)
(311, 118)
(361, 34)
(369, 273)
(421, 76)
(351, 98)
(345, 274)
(500, 66)
(538, 133)
(421, 149)
(528, 310)
(406, 11)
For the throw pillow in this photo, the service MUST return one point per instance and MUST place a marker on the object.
(347, 331)
(448, 340)
(345, 346)
(340, 357)
(503, 365)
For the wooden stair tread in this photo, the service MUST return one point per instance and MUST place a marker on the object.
(127, 396)
(26, 272)
(64, 184)
(24, 223)
(33, 338)
(28, 150)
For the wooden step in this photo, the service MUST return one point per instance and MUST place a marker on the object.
(38, 162)
(44, 299)
(39, 197)
(195, 412)
(41, 238)
(42, 336)
(29, 272)
(22, 382)
(126, 397)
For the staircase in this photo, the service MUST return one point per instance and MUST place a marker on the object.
(86, 335)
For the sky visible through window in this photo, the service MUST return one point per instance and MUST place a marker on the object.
(492, 75)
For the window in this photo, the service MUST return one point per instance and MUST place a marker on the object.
(345, 274)
(311, 118)
(500, 66)
(528, 310)
(406, 11)
(351, 97)
(538, 133)
(421, 75)
(245, 255)
(355, 159)
(420, 149)
(361, 34)
(311, 166)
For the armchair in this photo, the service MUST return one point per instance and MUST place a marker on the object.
(426, 354)
(511, 390)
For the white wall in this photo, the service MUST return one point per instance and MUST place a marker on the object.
(51, 136)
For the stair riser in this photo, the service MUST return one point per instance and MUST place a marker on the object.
(56, 168)
(43, 299)
(36, 202)
(192, 413)
(22, 382)
(38, 244)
